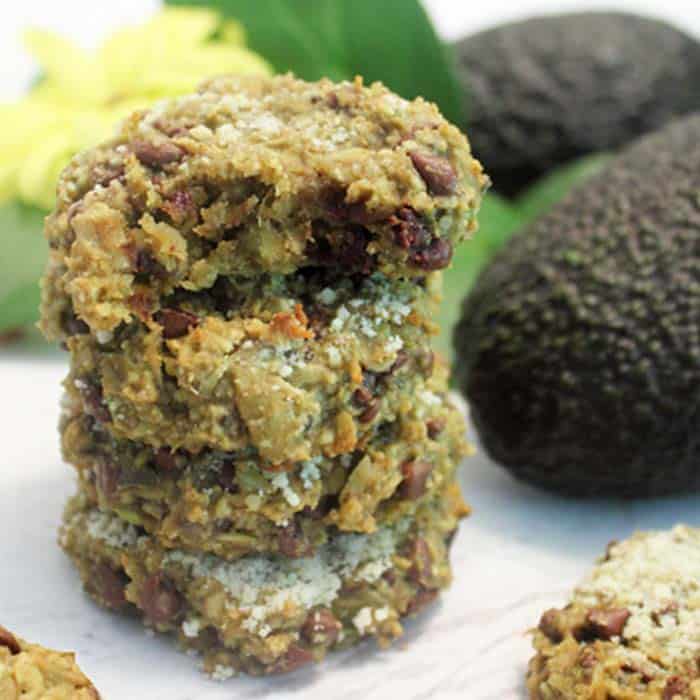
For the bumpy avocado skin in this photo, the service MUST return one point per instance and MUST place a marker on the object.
(549, 89)
(579, 346)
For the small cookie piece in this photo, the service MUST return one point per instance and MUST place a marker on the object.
(248, 177)
(631, 630)
(231, 504)
(31, 672)
(266, 614)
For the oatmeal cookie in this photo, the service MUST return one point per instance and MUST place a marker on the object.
(287, 365)
(631, 630)
(232, 504)
(253, 176)
(266, 613)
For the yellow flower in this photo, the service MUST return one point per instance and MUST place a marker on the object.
(83, 94)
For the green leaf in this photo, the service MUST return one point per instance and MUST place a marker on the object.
(498, 220)
(392, 41)
(554, 186)
(22, 263)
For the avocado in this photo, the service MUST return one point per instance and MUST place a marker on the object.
(578, 348)
(543, 91)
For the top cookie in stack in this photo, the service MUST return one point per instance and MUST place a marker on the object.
(255, 176)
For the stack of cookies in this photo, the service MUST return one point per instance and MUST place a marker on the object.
(246, 280)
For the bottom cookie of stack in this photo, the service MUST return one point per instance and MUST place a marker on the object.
(266, 613)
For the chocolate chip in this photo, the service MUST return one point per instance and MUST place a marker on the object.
(675, 686)
(435, 426)
(435, 256)
(332, 100)
(110, 586)
(295, 657)
(165, 460)
(370, 413)
(292, 543)
(159, 599)
(107, 479)
(362, 397)
(227, 477)
(436, 171)
(409, 231)
(321, 627)
(175, 322)
(419, 601)
(7, 639)
(605, 624)
(550, 627)
(415, 477)
(157, 154)
(421, 569)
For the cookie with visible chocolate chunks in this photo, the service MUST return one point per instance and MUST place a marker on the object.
(32, 672)
(631, 629)
(235, 503)
(248, 177)
(296, 367)
(265, 614)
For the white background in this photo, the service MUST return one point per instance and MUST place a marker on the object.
(88, 20)
(519, 553)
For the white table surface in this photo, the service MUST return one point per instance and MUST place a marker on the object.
(516, 556)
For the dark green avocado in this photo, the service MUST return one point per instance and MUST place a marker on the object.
(543, 91)
(579, 347)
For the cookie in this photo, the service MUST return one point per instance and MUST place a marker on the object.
(254, 176)
(291, 366)
(233, 503)
(631, 628)
(32, 672)
(265, 613)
